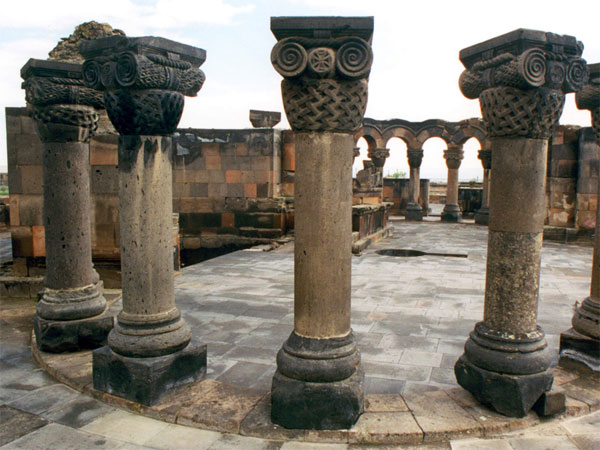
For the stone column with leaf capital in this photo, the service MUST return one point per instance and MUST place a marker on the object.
(144, 81)
(580, 345)
(482, 216)
(71, 313)
(520, 79)
(413, 208)
(325, 63)
(453, 155)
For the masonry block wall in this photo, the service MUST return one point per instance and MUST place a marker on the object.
(396, 192)
(587, 181)
(227, 186)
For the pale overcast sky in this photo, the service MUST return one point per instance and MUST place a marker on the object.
(414, 75)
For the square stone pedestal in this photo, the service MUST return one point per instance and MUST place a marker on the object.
(146, 380)
(57, 336)
(511, 395)
(579, 352)
(413, 213)
(307, 405)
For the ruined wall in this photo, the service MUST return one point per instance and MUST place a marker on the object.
(396, 192)
(587, 180)
(227, 187)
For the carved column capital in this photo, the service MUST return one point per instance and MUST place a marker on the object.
(485, 156)
(378, 156)
(453, 155)
(521, 79)
(415, 157)
(325, 63)
(63, 108)
(355, 153)
(589, 98)
(144, 80)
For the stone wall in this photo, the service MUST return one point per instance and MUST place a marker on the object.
(587, 181)
(226, 188)
(396, 192)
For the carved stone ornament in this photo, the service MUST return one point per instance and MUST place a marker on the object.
(144, 80)
(415, 157)
(589, 98)
(56, 94)
(521, 79)
(325, 62)
(485, 156)
(378, 156)
(453, 156)
(264, 119)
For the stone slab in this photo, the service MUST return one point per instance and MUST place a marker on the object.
(146, 380)
(440, 417)
(387, 428)
(15, 423)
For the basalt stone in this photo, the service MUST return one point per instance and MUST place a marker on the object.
(550, 403)
(300, 404)
(146, 380)
(413, 212)
(451, 213)
(579, 352)
(511, 395)
(482, 216)
(57, 336)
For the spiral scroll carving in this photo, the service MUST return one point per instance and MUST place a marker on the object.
(576, 75)
(532, 66)
(325, 86)
(515, 112)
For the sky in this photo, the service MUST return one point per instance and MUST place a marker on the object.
(415, 43)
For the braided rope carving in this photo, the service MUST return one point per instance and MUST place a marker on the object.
(325, 105)
(515, 112)
(75, 115)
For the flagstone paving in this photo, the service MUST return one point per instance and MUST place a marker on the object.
(411, 317)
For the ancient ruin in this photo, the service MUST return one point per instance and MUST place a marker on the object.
(323, 330)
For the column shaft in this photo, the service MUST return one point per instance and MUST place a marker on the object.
(516, 233)
(414, 184)
(67, 205)
(452, 188)
(323, 234)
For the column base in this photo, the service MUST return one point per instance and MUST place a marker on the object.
(58, 336)
(308, 405)
(579, 352)
(482, 216)
(146, 380)
(318, 384)
(451, 213)
(511, 395)
(413, 212)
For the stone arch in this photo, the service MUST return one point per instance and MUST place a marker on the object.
(471, 128)
(372, 134)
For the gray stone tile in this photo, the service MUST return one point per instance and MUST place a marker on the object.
(245, 373)
(15, 423)
(45, 398)
(78, 413)
(56, 436)
(543, 443)
(126, 427)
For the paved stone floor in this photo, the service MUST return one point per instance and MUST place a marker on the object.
(411, 317)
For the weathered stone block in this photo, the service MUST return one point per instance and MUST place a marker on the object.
(318, 406)
(31, 180)
(233, 176)
(235, 190)
(22, 241)
(57, 336)
(250, 190)
(551, 403)
(15, 186)
(38, 238)
(213, 162)
(29, 149)
(104, 179)
(146, 380)
(103, 150)
(217, 189)
(511, 395)
(29, 210)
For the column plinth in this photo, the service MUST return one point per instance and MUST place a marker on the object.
(506, 362)
(414, 212)
(71, 314)
(482, 216)
(144, 82)
(580, 345)
(453, 156)
(319, 381)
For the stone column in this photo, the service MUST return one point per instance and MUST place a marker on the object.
(580, 345)
(71, 313)
(413, 208)
(453, 156)
(520, 79)
(144, 82)
(325, 63)
(482, 216)
(378, 156)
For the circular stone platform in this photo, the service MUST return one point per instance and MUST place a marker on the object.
(411, 317)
